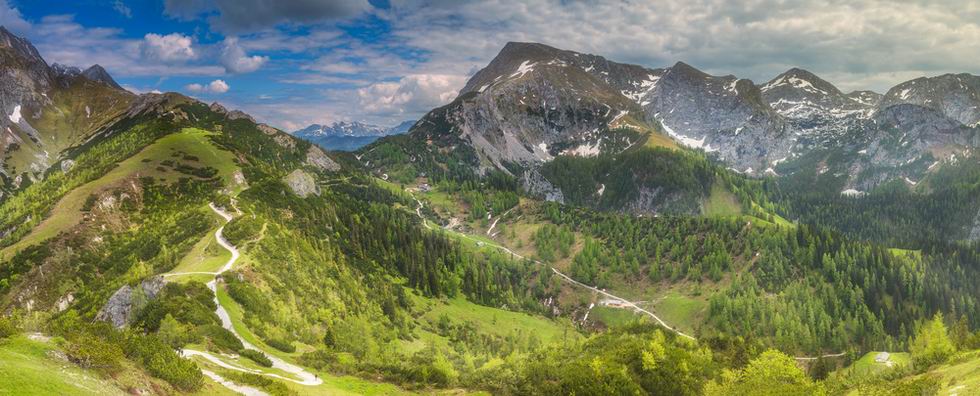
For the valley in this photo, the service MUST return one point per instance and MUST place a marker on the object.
(561, 224)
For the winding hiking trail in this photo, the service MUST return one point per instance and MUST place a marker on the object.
(305, 377)
(568, 279)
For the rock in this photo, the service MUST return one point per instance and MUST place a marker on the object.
(317, 158)
(64, 302)
(302, 183)
(66, 165)
(127, 300)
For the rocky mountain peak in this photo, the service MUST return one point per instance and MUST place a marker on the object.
(800, 79)
(98, 74)
(686, 70)
(955, 95)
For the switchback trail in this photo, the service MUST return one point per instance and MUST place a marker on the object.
(305, 377)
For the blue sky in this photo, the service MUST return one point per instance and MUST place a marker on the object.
(294, 62)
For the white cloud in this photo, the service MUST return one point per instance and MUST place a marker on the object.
(862, 41)
(174, 47)
(234, 59)
(411, 94)
(60, 39)
(213, 87)
(11, 18)
(122, 9)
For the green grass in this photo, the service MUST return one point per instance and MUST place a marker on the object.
(205, 256)
(332, 384)
(867, 365)
(498, 321)
(29, 367)
(614, 317)
(67, 213)
(960, 376)
(914, 254)
(680, 311)
(721, 202)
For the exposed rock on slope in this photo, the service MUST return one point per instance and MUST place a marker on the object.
(127, 300)
(302, 183)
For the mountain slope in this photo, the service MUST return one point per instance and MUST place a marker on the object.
(48, 110)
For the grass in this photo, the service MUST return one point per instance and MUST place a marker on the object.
(205, 256)
(332, 384)
(680, 310)
(30, 367)
(67, 213)
(614, 317)
(499, 322)
(960, 376)
(913, 254)
(721, 202)
(867, 365)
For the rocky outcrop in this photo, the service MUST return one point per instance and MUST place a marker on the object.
(302, 183)
(127, 300)
(536, 185)
(317, 158)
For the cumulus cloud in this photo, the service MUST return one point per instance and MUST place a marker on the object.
(213, 87)
(174, 47)
(11, 18)
(61, 39)
(411, 94)
(234, 59)
(858, 41)
(236, 16)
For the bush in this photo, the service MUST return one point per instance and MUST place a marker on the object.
(257, 357)
(161, 361)
(273, 387)
(7, 328)
(281, 345)
(221, 338)
(90, 352)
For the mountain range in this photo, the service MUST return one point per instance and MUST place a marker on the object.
(348, 136)
(534, 102)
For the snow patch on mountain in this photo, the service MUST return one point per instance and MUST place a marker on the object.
(15, 117)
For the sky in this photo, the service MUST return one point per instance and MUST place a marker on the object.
(291, 63)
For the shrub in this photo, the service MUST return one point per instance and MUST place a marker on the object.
(92, 352)
(7, 328)
(281, 345)
(161, 361)
(273, 387)
(221, 338)
(257, 357)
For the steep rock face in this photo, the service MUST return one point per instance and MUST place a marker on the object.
(534, 102)
(47, 110)
(26, 78)
(317, 158)
(957, 96)
(725, 114)
(127, 300)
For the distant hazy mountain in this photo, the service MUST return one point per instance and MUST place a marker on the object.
(348, 136)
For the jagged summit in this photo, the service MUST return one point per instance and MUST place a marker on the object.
(98, 74)
(955, 95)
(801, 79)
